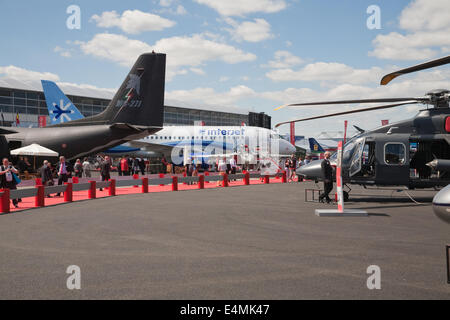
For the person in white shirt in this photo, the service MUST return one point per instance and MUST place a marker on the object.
(222, 167)
(86, 168)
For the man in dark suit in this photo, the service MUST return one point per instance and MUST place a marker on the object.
(46, 175)
(105, 169)
(327, 173)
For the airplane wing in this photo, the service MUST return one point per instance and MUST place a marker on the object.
(158, 148)
(7, 130)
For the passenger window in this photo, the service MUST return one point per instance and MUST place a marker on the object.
(394, 154)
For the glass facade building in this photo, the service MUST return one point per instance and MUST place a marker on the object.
(31, 104)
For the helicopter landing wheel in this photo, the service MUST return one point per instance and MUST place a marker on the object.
(346, 196)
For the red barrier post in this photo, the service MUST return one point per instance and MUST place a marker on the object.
(247, 178)
(277, 176)
(184, 176)
(135, 177)
(68, 194)
(75, 180)
(145, 185)
(38, 181)
(201, 181)
(112, 187)
(266, 179)
(92, 192)
(4, 202)
(161, 176)
(39, 199)
(174, 183)
(206, 175)
(225, 180)
(283, 177)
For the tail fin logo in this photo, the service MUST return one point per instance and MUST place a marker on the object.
(134, 83)
(130, 99)
(62, 111)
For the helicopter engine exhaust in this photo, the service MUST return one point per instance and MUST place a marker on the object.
(439, 165)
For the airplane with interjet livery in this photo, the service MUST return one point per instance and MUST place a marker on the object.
(173, 141)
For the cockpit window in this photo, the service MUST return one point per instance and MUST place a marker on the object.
(348, 150)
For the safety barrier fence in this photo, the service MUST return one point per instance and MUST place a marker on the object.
(39, 192)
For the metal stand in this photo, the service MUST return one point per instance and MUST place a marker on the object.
(344, 213)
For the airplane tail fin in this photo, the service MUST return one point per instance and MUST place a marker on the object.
(315, 146)
(140, 99)
(60, 108)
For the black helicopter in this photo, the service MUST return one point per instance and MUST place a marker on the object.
(414, 153)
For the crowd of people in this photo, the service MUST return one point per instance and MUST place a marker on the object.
(127, 166)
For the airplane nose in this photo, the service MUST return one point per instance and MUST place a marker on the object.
(286, 147)
(312, 170)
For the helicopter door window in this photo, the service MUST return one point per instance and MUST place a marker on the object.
(356, 164)
(394, 153)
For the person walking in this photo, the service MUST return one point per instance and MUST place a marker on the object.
(105, 169)
(287, 167)
(7, 179)
(124, 166)
(292, 167)
(233, 166)
(46, 175)
(63, 173)
(78, 169)
(86, 168)
(327, 173)
(222, 167)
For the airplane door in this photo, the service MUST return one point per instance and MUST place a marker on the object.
(356, 163)
(393, 162)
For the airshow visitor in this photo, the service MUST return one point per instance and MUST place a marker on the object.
(327, 173)
(8, 178)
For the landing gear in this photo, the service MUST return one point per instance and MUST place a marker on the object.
(346, 193)
(346, 196)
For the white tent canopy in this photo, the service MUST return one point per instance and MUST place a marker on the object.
(34, 150)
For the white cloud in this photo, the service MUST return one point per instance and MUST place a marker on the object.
(18, 73)
(283, 60)
(63, 52)
(181, 10)
(240, 8)
(165, 3)
(326, 72)
(425, 15)
(183, 51)
(211, 96)
(198, 71)
(132, 21)
(427, 27)
(251, 31)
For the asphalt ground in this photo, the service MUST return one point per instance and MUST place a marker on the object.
(249, 242)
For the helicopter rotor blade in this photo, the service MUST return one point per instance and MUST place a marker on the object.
(349, 112)
(431, 64)
(382, 100)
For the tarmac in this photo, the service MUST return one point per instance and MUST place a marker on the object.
(247, 242)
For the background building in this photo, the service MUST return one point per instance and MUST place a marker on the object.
(27, 99)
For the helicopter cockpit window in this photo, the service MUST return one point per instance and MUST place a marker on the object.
(348, 150)
(356, 163)
(394, 153)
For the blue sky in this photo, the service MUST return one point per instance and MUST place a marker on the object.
(252, 54)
